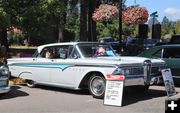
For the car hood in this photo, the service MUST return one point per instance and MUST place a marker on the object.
(122, 61)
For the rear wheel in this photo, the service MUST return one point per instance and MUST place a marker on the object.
(97, 86)
(30, 83)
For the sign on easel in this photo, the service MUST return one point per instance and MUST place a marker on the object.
(114, 90)
(168, 82)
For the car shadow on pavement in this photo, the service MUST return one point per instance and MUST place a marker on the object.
(132, 96)
(13, 93)
(58, 89)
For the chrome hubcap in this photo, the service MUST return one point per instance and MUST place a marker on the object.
(98, 86)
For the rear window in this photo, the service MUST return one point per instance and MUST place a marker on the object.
(175, 39)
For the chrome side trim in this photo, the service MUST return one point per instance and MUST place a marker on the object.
(147, 71)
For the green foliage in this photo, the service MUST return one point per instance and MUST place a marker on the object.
(111, 29)
(4, 19)
(177, 27)
(165, 26)
(41, 19)
(170, 27)
(106, 29)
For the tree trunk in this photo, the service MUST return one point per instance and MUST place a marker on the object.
(60, 34)
(62, 22)
(83, 20)
(91, 23)
(3, 37)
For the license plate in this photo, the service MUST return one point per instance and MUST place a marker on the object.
(3, 83)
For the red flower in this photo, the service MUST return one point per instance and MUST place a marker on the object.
(105, 12)
(135, 15)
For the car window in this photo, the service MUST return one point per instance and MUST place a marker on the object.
(171, 53)
(158, 54)
(74, 54)
(96, 50)
(57, 52)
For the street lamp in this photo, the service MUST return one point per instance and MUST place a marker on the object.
(120, 22)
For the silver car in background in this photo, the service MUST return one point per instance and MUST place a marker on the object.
(4, 78)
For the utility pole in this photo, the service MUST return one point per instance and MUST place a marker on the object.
(120, 22)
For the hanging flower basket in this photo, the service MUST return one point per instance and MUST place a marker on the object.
(135, 15)
(105, 12)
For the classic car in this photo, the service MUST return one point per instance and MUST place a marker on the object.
(78, 65)
(4, 77)
(170, 54)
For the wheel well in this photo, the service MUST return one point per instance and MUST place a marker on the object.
(84, 81)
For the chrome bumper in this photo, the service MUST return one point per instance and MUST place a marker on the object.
(141, 81)
(135, 80)
(4, 89)
(156, 80)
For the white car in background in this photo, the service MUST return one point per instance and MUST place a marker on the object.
(76, 65)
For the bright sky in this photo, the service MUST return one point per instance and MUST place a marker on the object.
(169, 8)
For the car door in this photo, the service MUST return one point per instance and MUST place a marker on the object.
(41, 69)
(62, 73)
(172, 59)
(41, 66)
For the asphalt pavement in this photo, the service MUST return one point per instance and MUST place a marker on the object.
(42, 99)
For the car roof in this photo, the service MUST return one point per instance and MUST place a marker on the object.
(176, 35)
(65, 43)
(170, 45)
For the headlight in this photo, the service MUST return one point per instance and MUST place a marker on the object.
(128, 71)
(4, 71)
(118, 71)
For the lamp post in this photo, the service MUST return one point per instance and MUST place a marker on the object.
(120, 22)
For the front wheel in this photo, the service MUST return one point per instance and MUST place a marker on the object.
(30, 83)
(96, 86)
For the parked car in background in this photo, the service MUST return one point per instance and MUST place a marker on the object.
(81, 65)
(170, 54)
(106, 40)
(175, 39)
(112, 42)
(4, 76)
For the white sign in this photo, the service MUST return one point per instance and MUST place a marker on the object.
(114, 92)
(168, 82)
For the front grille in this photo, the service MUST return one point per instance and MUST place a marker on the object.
(133, 71)
(156, 71)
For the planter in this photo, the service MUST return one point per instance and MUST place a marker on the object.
(135, 15)
(105, 12)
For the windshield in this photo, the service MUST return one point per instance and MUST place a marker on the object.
(96, 50)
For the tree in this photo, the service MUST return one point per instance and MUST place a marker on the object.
(83, 20)
(165, 25)
(4, 24)
(176, 27)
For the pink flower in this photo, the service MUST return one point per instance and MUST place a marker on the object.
(105, 12)
(135, 15)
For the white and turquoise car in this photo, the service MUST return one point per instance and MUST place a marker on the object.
(76, 65)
